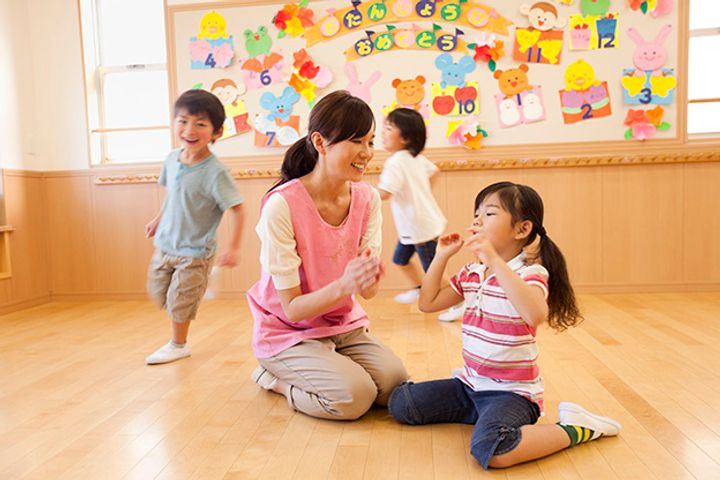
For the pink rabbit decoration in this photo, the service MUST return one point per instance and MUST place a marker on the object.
(357, 89)
(649, 56)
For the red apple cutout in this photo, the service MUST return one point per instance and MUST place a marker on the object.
(444, 104)
(465, 93)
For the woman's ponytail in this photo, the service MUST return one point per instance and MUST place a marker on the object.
(299, 160)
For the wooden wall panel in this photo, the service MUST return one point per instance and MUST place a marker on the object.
(701, 196)
(643, 225)
(26, 211)
(622, 228)
(122, 253)
(573, 217)
(70, 234)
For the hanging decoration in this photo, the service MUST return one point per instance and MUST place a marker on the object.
(409, 94)
(213, 46)
(356, 87)
(542, 41)
(519, 102)
(584, 97)
(643, 124)
(466, 133)
(278, 127)
(649, 83)
(656, 8)
(236, 115)
(293, 19)
(488, 49)
(263, 71)
(594, 32)
(364, 15)
(413, 38)
(307, 76)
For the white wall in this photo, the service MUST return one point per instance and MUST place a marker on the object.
(42, 126)
(17, 105)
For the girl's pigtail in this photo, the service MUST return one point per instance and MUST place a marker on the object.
(563, 311)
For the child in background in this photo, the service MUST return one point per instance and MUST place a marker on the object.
(199, 190)
(406, 179)
(507, 297)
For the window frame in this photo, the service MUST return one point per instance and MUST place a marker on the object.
(94, 79)
(697, 33)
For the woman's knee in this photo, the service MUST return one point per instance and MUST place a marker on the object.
(357, 397)
(393, 374)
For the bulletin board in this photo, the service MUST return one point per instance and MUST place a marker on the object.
(576, 87)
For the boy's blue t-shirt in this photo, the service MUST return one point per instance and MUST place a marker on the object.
(197, 196)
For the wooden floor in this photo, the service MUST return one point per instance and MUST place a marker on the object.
(77, 401)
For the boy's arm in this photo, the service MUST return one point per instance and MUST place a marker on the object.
(435, 292)
(384, 194)
(230, 257)
(151, 226)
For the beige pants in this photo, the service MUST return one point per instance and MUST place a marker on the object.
(338, 377)
(178, 284)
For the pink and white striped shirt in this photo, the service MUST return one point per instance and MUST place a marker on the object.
(499, 348)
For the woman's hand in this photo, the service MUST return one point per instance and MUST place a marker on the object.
(360, 273)
(448, 245)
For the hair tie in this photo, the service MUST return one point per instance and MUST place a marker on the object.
(541, 231)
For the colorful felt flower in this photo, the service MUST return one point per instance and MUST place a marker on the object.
(635, 117)
(655, 115)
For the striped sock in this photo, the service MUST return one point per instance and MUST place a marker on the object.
(579, 434)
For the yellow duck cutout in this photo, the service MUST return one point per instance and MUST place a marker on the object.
(579, 76)
(213, 26)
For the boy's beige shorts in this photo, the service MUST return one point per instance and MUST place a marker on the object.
(178, 284)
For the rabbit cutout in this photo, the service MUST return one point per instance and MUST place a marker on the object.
(649, 56)
(357, 89)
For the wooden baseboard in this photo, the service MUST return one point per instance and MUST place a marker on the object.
(23, 304)
(384, 293)
(98, 297)
(641, 288)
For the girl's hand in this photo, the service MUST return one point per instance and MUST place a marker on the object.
(481, 247)
(360, 273)
(448, 245)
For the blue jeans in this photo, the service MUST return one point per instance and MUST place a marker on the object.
(426, 252)
(497, 415)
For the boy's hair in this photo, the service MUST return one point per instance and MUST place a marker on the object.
(200, 102)
(412, 128)
(524, 203)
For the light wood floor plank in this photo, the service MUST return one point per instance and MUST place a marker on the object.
(77, 400)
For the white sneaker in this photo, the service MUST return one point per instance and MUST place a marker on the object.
(168, 353)
(573, 414)
(408, 297)
(453, 313)
(264, 378)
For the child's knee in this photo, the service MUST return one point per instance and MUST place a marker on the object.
(393, 374)
(400, 405)
(493, 445)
